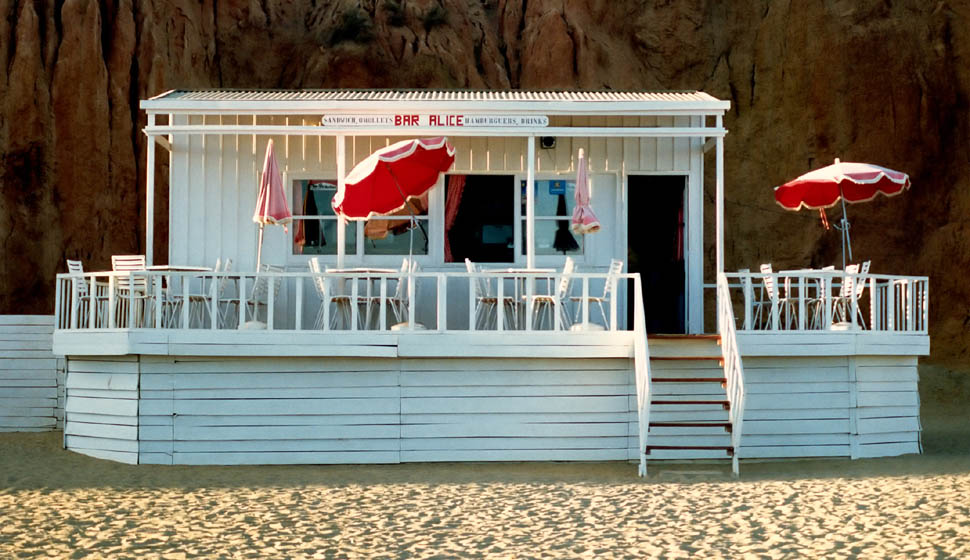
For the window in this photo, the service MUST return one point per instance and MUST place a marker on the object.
(555, 200)
(315, 224)
(480, 218)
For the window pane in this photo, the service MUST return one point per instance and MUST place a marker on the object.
(319, 237)
(400, 241)
(554, 197)
(554, 238)
(483, 228)
(311, 197)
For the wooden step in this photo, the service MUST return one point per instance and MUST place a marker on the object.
(662, 336)
(721, 380)
(725, 425)
(725, 448)
(724, 404)
(687, 358)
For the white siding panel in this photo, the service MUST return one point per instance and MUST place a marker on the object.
(28, 374)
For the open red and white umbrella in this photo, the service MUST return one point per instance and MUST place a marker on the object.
(841, 182)
(381, 184)
(271, 206)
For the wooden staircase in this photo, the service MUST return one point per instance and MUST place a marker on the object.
(688, 403)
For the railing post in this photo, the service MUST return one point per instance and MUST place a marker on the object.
(775, 322)
(500, 304)
(354, 307)
(214, 302)
(613, 281)
(891, 305)
(112, 282)
(326, 304)
(186, 302)
(93, 303)
(748, 301)
(271, 299)
(75, 304)
(242, 301)
(412, 304)
(827, 302)
(530, 290)
(586, 301)
(801, 302)
(157, 290)
(472, 308)
(911, 310)
(874, 305)
(442, 302)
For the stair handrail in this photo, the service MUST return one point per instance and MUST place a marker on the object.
(733, 367)
(641, 366)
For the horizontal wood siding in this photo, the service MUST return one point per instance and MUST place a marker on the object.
(516, 410)
(29, 389)
(828, 406)
(102, 407)
(199, 411)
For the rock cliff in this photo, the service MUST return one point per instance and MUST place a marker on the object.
(868, 80)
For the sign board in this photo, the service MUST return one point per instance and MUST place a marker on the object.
(435, 121)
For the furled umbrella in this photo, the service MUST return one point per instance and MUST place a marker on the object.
(841, 182)
(387, 180)
(584, 220)
(271, 206)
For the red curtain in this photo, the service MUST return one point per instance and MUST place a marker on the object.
(456, 186)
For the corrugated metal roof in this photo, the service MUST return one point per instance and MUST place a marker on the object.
(422, 95)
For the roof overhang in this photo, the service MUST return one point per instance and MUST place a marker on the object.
(311, 102)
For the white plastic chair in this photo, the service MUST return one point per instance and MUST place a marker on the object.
(486, 304)
(81, 298)
(130, 289)
(340, 313)
(784, 304)
(603, 301)
(544, 305)
(853, 286)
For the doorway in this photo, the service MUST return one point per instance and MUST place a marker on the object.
(655, 249)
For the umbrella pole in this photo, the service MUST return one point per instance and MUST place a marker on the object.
(414, 219)
(846, 237)
(259, 247)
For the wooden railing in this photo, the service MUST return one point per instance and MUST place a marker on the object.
(641, 364)
(820, 300)
(733, 368)
(336, 301)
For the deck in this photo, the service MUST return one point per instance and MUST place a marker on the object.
(174, 391)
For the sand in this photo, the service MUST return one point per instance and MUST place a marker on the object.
(54, 503)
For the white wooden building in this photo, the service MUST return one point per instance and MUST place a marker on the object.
(824, 368)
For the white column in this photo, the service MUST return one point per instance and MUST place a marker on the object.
(150, 195)
(530, 204)
(719, 173)
(341, 171)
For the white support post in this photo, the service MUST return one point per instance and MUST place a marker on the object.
(442, 302)
(719, 185)
(530, 204)
(150, 194)
(341, 171)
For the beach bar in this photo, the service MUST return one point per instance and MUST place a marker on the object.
(478, 326)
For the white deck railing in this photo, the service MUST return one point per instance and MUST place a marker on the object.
(324, 302)
(829, 300)
(733, 368)
(641, 365)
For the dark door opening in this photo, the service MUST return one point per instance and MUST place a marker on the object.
(655, 249)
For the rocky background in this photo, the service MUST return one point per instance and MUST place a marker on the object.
(881, 81)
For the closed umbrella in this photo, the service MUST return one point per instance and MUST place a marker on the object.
(271, 206)
(584, 220)
(841, 182)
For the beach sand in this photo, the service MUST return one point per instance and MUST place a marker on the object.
(60, 504)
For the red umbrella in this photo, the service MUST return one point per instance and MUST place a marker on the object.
(584, 221)
(382, 183)
(271, 207)
(841, 181)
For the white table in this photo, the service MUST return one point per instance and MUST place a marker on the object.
(524, 284)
